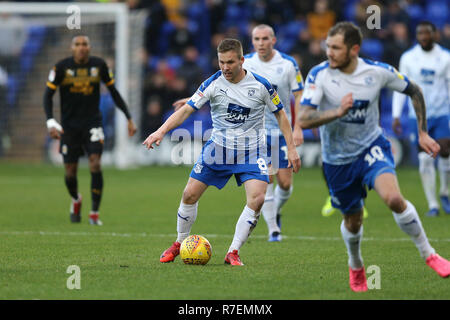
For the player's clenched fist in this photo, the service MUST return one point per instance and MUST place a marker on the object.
(156, 137)
(346, 104)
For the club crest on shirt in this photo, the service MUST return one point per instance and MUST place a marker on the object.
(251, 92)
(368, 80)
(94, 72)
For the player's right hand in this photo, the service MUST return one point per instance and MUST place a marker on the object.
(428, 144)
(397, 126)
(155, 138)
(54, 133)
(346, 104)
(54, 129)
(294, 160)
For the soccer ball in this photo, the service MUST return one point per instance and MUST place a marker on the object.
(195, 249)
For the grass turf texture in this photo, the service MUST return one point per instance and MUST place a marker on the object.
(120, 260)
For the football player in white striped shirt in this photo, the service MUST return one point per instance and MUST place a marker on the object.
(428, 64)
(284, 74)
(237, 146)
(341, 97)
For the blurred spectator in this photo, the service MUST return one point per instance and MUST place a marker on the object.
(180, 38)
(190, 70)
(13, 35)
(174, 10)
(279, 12)
(397, 43)
(320, 20)
(216, 10)
(152, 117)
(394, 14)
(178, 89)
(312, 57)
(259, 12)
(301, 45)
(215, 40)
(156, 18)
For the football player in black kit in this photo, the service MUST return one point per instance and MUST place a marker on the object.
(78, 78)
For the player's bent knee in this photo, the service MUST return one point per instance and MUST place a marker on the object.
(190, 197)
(256, 201)
(395, 202)
(285, 185)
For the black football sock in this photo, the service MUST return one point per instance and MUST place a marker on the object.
(96, 189)
(72, 186)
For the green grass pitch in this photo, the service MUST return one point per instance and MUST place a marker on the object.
(120, 260)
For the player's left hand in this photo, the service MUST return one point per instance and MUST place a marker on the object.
(131, 128)
(297, 134)
(179, 103)
(294, 160)
(428, 144)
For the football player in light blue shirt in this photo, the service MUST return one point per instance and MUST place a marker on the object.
(237, 146)
(428, 64)
(341, 97)
(284, 74)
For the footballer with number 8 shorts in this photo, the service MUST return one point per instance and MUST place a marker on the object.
(78, 78)
(237, 146)
(341, 97)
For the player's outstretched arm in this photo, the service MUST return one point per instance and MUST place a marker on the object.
(285, 127)
(176, 119)
(310, 117)
(428, 144)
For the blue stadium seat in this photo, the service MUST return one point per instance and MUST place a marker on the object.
(437, 11)
(166, 29)
(174, 61)
(293, 28)
(373, 48)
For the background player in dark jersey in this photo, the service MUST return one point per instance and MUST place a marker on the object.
(78, 78)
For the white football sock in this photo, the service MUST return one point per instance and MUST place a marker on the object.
(187, 213)
(428, 176)
(268, 210)
(444, 173)
(245, 225)
(409, 223)
(281, 196)
(353, 244)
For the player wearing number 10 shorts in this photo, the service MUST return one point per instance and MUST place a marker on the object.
(341, 97)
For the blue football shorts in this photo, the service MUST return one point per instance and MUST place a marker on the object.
(217, 164)
(347, 183)
(438, 128)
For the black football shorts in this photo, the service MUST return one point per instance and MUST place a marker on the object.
(76, 143)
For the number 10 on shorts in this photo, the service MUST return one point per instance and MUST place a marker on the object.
(375, 154)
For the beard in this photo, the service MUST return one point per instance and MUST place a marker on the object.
(344, 63)
(427, 46)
